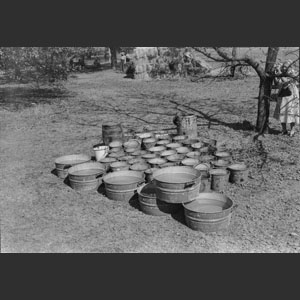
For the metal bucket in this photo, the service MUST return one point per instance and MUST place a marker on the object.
(183, 150)
(190, 162)
(206, 158)
(193, 154)
(177, 184)
(148, 156)
(209, 212)
(212, 142)
(144, 135)
(150, 205)
(116, 144)
(149, 143)
(162, 136)
(167, 153)
(136, 160)
(219, 179)
(163, 142)
(149, 174)
(238, 173)
(112, 132)
(206, 142)
(223, 155)
(100, 151)
(175, 158)
(114, 150)
(197, 146)
(138, 153)
(173, 146)
(205, 183)
(157, 150)
(203, 168)
(220, 164)
(129, 151)
(204, 150)
(142, 167)
(125, 158)
(122, 185)
(132, 143)
(107, 161)
(63, 163)
(156, 162)
(179, 138)
(116, 155)
(189, 142)
(119, 166)
(168, 164)
(86, 176)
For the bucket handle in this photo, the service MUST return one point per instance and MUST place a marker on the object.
(235, 206)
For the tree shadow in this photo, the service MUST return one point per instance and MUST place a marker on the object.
(244, 126)
(16, 97)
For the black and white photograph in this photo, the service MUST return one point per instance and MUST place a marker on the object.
(150, 149)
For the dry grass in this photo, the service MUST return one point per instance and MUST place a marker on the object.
(42, 214)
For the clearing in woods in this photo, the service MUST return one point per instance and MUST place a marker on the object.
(42, 214)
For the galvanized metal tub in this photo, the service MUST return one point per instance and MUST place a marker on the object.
(122, 185)
(177, 184)
(119, 166)
(63, 163)
(209, 212)
(86, 176)
(150, 205)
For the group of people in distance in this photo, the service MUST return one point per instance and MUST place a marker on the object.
(287, 109)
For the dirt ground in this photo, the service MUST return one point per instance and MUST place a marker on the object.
(39, 213)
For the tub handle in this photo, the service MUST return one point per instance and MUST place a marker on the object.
(67, 167)
(189, 185)
(235, 206)
(140, 183)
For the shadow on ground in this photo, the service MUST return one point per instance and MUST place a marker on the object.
(16, 98)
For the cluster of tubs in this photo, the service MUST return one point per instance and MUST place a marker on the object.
(167, 172)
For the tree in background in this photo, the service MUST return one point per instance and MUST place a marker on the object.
(42, 65)
(263, 70)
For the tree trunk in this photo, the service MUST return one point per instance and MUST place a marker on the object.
(233, 64)
(265, 88)
(114, 61)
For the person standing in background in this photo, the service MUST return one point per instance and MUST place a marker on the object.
(287, 109)
(123, 61)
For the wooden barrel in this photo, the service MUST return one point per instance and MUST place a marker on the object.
(187, 125)
(112, 132)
